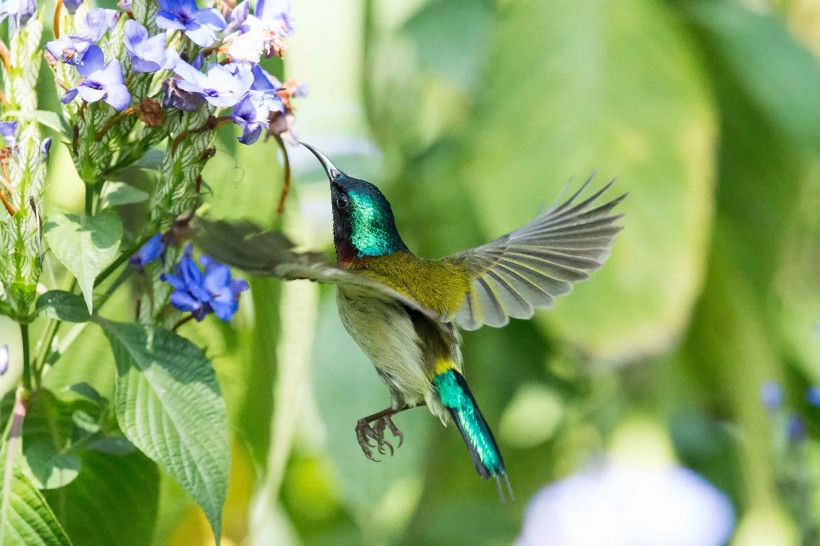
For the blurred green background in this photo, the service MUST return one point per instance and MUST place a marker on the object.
(471, 116)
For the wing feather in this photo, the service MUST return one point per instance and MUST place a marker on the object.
(529, 267)
(268, 253)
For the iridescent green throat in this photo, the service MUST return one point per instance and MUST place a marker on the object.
(373, 230)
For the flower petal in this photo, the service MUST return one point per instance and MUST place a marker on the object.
(118, 96)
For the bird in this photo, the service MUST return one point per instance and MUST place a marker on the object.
(405, 311)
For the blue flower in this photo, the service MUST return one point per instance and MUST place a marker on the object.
(147, 54)
(200, 293)
(71, 49)
(174, 97)
(200, 25)
(45, 148)
(124, 5)
(771, 394)
(275, 15)
(251, 114)
(219, 86)
(8, 130)
(101, 80)
(19, 10)
(150, 251)
(72, 5)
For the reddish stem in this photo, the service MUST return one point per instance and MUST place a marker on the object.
(57, 10)
(286, 184)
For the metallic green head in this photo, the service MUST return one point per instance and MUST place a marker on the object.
(363, 224)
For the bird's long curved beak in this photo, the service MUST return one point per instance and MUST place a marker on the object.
(332, 172)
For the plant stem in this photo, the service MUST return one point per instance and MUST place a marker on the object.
(119, 261)
(89, 199)
(20, 407)
(26, 357)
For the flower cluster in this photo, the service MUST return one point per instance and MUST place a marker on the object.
(217, 62)
(202, 292)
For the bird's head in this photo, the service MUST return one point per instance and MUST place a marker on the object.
(363, 224)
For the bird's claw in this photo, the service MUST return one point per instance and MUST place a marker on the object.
(366, 432)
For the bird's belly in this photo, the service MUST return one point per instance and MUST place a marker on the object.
(385, 333)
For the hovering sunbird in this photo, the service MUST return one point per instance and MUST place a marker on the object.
(404, 311)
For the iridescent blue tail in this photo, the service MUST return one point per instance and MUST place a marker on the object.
(456, 397)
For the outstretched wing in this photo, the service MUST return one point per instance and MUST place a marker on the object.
(535, 263)
(269, 253)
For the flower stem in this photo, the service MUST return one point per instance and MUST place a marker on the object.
(20, 408)
(57, 10)
(26, 357)
(181, 322)
(286, 184)
(113, 121)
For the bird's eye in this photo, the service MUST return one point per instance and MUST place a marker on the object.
(342, 201)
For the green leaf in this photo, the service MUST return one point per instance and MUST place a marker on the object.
(568, 94)
(113, 501)
(49, 467)
(86, 245)
(61, 305)
(116, 193)
(169, 405)
(779, 73)
(43, 117)
(26, 518)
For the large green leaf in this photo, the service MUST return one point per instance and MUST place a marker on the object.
(113, 501)
(569, 92)
(169, 405)
(781, 76)
(26, 519)
(85, 245)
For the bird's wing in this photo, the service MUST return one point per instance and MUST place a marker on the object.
(530, 266)
(269, 253)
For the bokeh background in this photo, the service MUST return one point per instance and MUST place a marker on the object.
(695, 346)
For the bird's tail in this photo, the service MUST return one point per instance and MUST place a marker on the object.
(456, 397)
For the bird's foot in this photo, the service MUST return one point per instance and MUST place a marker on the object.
(372, 436)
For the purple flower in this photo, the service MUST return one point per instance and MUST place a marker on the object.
(18, 10)
(199, 292)
(147, 54)
(124, 5)
(71, 49)
(219, 86)
(275, 15)
(150, 251)
(8, 130)
(200, 25)
(45, 148)
(101, 80)
(72, 5)
(174, 97)
(251, 114)
(771, 394)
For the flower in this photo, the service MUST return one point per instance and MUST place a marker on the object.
(174, 97)
(201, 293)
(72, 5)
(622, 504)
(8, 130)
(45, 148)
(200, 25)
(150, 251)
(251, 114)
(124, 5)
(277, 23)
(147, 54)
(101, 80)
(20, 10)
(771, 394)
(71, 49)
(219, 86)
